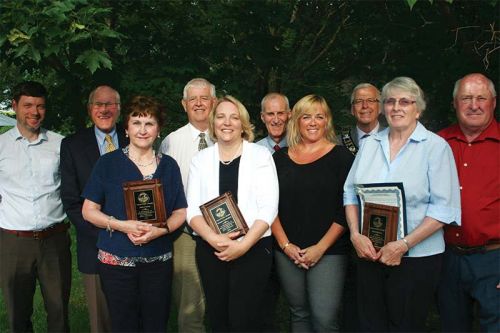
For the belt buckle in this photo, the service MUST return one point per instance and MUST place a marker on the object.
(36, 235)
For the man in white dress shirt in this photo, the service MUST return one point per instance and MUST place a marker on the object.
(198, 100)
(365, 107)
(34, 241)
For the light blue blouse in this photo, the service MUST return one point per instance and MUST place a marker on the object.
(426, 167)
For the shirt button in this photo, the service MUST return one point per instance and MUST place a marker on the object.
(465, 164)
(469, 145)
(457, 234)
(460, 188)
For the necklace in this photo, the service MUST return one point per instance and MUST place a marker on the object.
(145, 164)
(234, 156)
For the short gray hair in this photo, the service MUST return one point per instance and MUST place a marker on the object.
(491, 86)
(199, 83)
(92, 94)
(271, 96)
(408, 85)
(364, 85)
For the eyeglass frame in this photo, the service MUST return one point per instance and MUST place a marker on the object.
(369, 101)
(392, 102)
(106, 105)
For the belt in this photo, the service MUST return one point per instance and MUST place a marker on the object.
(464, 250)
(39, 234)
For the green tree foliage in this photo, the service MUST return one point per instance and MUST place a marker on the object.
(245, 47)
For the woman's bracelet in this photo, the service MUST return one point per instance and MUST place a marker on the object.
(285, 246)
(108, 226)
(406, 242)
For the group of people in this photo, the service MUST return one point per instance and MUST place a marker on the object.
(297, 190)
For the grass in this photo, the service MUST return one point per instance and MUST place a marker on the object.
(78, 315)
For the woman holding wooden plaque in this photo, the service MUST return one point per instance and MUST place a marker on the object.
(310, 229)
(397, 278)
(234, 269)
(136, 257)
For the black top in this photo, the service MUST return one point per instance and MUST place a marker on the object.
(228, 177)
(311, 197)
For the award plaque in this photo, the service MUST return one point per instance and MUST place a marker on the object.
(223, 215)
(380, 223)
(144, 202)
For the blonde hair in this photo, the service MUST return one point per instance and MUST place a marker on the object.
(303, 106)
(247, 127)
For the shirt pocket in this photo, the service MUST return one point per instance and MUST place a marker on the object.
(49, 169)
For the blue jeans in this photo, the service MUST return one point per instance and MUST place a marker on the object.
(465, 279)
(314, 295)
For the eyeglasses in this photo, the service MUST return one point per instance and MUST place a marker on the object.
(369, 101)
(106, 105)
(468, 99)
(403, 102)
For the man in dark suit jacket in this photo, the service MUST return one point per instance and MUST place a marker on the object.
(365, 107)
(79, 153)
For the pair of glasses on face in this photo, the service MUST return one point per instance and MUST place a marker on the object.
(403, 102)
(105, 105)
(369, 101)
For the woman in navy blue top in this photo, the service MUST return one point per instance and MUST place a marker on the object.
(135, 258)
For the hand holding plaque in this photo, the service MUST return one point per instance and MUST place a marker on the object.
(144, 202)
(223, 215)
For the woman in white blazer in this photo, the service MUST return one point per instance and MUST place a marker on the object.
(234, 270)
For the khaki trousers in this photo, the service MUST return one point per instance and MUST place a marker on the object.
(187, 291)
(96, 304)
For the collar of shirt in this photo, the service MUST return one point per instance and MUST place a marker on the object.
(195, 133)
(101, 138)
(491, 132)
(362, 133)
(419, 134)
(272, 143)
(16, 135)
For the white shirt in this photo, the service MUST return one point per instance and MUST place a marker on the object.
(30, 181)
(258, 190)
(182, 145)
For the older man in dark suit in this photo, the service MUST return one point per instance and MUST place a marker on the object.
(79, 153)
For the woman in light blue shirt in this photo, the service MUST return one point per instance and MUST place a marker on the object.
(397, 282)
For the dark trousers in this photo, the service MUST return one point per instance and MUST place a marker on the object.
(397, 299)
(138, 297)
(467, 279)
(24, 261)
(234, 290)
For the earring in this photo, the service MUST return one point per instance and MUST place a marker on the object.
(126, 135)
(158, 136)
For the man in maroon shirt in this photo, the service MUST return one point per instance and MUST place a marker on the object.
(471, 266)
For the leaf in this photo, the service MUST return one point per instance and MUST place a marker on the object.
(411, 3)
(94, 59)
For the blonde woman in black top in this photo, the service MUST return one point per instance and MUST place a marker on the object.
(310, 228)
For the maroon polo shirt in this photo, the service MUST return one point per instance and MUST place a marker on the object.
(478, 166)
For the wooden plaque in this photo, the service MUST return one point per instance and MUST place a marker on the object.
(223, 215)
(380, 223)
(144, 202)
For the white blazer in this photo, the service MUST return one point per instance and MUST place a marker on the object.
(258, 190)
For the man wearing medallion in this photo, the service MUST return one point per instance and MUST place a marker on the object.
(275, 112)
(198, 100)
(365, 107)
(471, 264)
